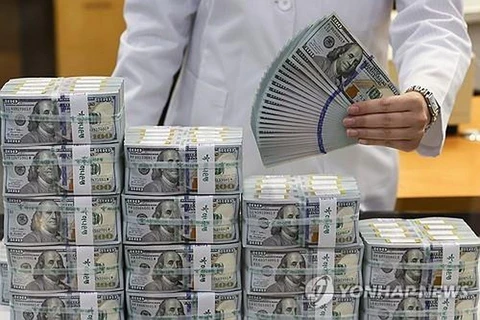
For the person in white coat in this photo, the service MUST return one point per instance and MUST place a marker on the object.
(223, 47)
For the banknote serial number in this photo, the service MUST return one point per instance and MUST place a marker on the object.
(11, 101)
(104, 99)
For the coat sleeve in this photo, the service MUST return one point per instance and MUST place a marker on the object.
(150, 53)
(431, 48)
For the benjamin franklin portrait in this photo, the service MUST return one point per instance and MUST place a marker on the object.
(290, 277)
(45, 224)
(43, 175)
(166, 180)
(48, 273)
(42, 131)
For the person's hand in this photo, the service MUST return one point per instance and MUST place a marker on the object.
(398, 121)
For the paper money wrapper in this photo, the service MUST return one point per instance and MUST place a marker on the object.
(73, 220)
(321, 221)
(176, 160)
(286, 272)
(68, 306)
(62, 170)
(183, 305)
(427, 305)
(79, 110)
(419, 254)
(297, 211)
(183, 267)
(181, 219)
(65, 268)
(316, 305)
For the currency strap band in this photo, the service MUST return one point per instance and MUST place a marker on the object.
(84, 221)
(206, 305)
(81, 127)
(89, 305)
(86, 269)
(327, 232)
(450, 259)
(204, 215)
(82, 172)
(206, 168)
(202, 261)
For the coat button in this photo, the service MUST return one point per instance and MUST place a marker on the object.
(284, 5)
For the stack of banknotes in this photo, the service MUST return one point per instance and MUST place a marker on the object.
(302, 248)
(181, 207)
(424, 268)
(48, 111)
(179, 160)
(61, 148)
(4, 276)
(304, 95)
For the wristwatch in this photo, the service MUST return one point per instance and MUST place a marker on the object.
(432, 105)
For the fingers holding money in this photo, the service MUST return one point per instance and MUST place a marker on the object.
(398, 122)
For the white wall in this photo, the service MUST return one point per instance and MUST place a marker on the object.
(472, 16)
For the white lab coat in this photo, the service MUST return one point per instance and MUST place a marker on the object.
(230, 43)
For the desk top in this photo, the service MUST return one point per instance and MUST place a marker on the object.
(455, 173)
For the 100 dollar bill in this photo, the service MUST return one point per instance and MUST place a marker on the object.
(363, 80)
(61, 269)
(68, 306)
(56, 170)
(163, 170)
(270, 223)
(36, 114)
(196, 305)
(178, 268)
(411, 263)
(62, 220)
(332, 306)
(180, 219)
(424, 305)
(290, 271)
(4, 283)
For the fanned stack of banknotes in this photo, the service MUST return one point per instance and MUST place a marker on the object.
(420, 269)
(302, 249)
(304, 95)
(181, 208)
(61, 140)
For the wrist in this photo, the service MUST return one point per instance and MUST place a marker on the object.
(429, 103)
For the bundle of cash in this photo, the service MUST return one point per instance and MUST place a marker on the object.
(419, 254)
(290, 271)
(177, 160)
(48, 111)
(304, 95)
(81, 220)
(68, 306)
(4, 276)
(62, 169)
(65, 268)
(181, 219)
(185, 305)
(433, 305)
(183, 267)
(322, 306)
(299, 211)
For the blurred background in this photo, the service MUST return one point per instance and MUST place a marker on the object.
(80, 37)
(59, 37)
